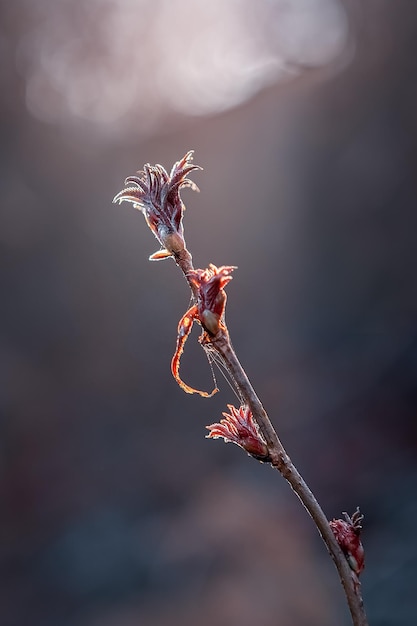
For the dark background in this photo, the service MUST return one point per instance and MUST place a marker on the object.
(115, 511)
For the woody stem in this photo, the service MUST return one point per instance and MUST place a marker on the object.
(282, 462)
(279, 458)
(184, 260)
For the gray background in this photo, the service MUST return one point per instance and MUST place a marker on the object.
(115, 509)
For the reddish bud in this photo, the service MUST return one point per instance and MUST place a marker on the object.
(157, 194)
(240, 428)
(347, 534)
(211, 295)
(209, 312)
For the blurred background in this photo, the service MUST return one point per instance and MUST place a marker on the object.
(115, 510)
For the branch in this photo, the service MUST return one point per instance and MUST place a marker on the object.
(280, 460)
(157, 195)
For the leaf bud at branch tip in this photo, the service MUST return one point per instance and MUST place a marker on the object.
(157, 194)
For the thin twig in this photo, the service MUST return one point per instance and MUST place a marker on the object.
(282, 462)
(156, 194)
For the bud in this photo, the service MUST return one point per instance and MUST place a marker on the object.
(347, 533)
(212, 298)
(209, 312)
(240, 428)
(157, 194)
